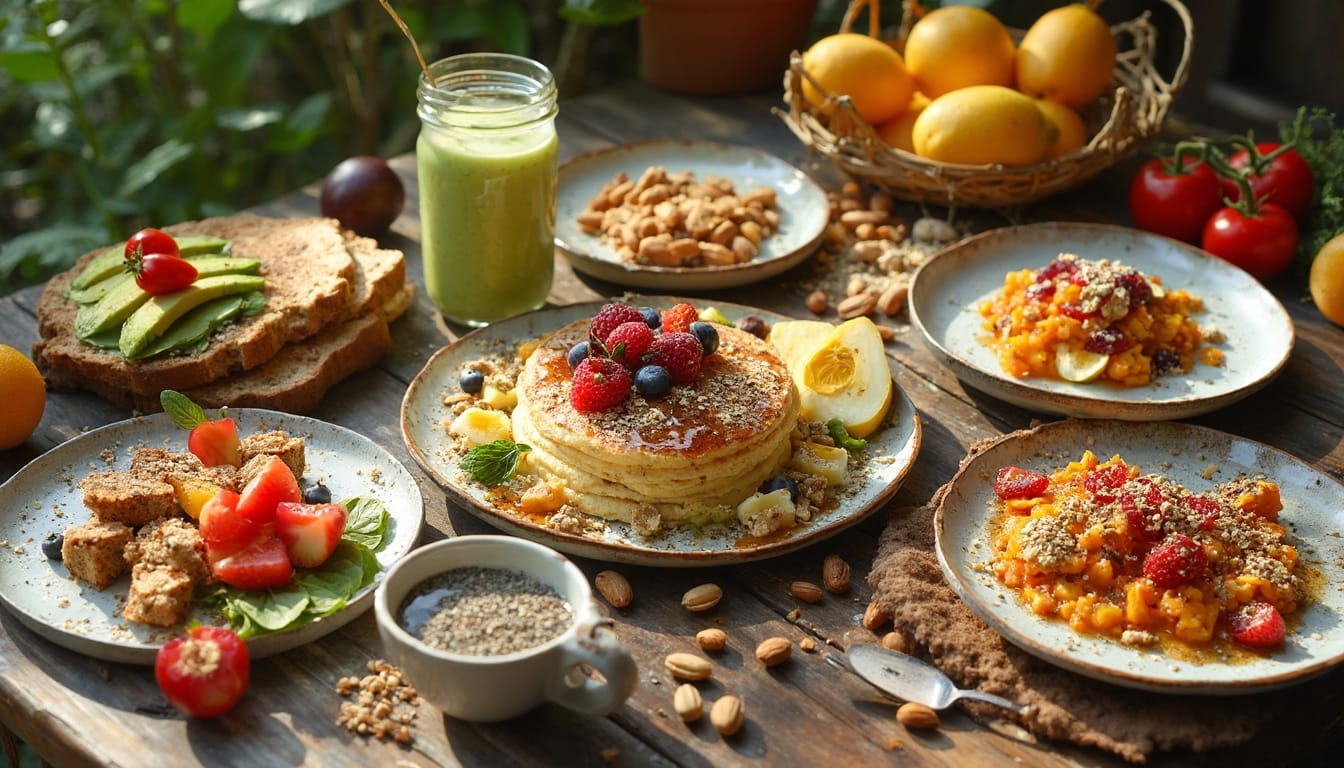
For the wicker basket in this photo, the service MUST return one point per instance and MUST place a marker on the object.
(1119, 122)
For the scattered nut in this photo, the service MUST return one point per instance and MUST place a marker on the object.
(687, 702)
(614, 588)
(898, 640)
(807, 644)
(892, 300)
(875, 617)
(774, 651)
(886, 332)
(913, 715)
(754, 325)
(687, 666)
(702, 598)
(383, 703)
(835, 574)
(806, 591)
(817, 302)
(726, 715)
(858, 305)
(711, 639)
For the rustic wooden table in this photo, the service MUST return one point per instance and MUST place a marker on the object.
(80, 711)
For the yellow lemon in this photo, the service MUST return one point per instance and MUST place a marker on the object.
(1067, 55)
(867, 70)
(24, 395)
(898, 133)
(956, 46)
(981, 125)
(1077, 364)
(1072, 131)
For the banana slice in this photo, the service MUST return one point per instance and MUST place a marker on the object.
(1079, 365)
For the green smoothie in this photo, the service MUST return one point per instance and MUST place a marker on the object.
(487, 218)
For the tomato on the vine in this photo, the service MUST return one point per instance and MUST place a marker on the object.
(1261, 242)
(1174, 200)
(1285, 180)
(205, 673)
(151, 241)
(160, 273)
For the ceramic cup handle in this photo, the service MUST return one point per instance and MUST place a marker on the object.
(597, 647)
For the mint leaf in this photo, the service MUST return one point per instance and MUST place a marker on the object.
(493, 463)
(181, 409)
(841, 436)
(366, 521)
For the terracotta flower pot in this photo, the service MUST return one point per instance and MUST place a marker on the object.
(720, 46)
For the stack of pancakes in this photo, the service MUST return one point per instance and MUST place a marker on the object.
(706, 444)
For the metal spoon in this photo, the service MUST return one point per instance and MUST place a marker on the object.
(910, 679)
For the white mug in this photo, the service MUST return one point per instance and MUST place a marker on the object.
(492, 688)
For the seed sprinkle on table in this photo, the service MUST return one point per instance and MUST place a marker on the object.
(484, 611)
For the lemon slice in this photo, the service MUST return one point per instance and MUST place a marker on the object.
(830, 369)
(1077, 364)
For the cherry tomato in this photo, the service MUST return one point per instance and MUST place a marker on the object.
(1174, 204)
(151, 241)
(1262, 243)
(205, 673)
(1287, 181)
(160, 273)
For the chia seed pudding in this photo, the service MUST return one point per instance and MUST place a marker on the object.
(484, 612)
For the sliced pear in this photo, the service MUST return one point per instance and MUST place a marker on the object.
(795, 340)
(847, 378)
(1079, 365)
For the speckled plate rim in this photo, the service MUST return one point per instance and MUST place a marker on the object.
(894, 447)
(946, 290)
(802, 203)
(34, 588)
(1313, 512)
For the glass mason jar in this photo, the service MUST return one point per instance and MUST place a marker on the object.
(487, 161)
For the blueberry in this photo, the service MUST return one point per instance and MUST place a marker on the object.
(472, 381)
(652, 317)
(708, 336)
(653, 381)
(51, 546)
(576, 354)
(781, 481)
(317, 493)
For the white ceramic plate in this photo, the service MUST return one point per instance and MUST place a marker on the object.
(802, 206)
(892, 450)
(43, 498)
(947, 290)
(1313, 512)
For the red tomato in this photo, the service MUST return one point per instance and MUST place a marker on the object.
(1287, 181)
(1175, 205)
(264, 492)
(1262, 244)
(151, 241)
(263, 564)
(224, 531)
(160, 273)
(205, 673)
(215, 443)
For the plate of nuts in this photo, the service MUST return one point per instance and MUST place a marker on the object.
(674, 215)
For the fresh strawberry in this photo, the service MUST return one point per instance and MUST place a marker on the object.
(599, 383)
(1178, 560)
(629, 342)
(1103, 483)
(274, 484)
(215, 442)
(224, 531)
(1142, 503)
(679, 318)
(611, 316)
(679, 352)
(310, 531)
(1017, 483)
(263, 564)
(1257, 625)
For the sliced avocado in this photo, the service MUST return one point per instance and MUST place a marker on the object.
(104, 265)
(108, 312)
(206, 265)
(195, 325)
(153, 317)
(199, 245)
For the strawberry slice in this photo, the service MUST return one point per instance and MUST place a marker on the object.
(1257, 625)
(215, 442)
(226, 532)
(310, 531)
(1018, 483)
(273, 485)
(1178, 560)
(1104, 483)
(263, 564)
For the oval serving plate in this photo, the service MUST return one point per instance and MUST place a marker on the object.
(44, 498)
(801, 203)
(947, 290)
(892, 450)
(1313, 512)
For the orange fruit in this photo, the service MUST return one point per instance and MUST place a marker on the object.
(982, 125)
(24, 394)
(1072, 131)
(1327, 280)
(898, 133)
(867, 70)
(1067, 55)
(956, 46)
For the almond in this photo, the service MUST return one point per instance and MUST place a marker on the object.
(687, 666)
(817, 302)
(875, 617)
(835, 574)
(857, 305)
(774, 651)
(687, 702)
(892, 300)
(913, 715)
(702, 598)
(808, 644)
(806, 591)
(711, 639)
(726, 715)
(898, 641)
(614, 588)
